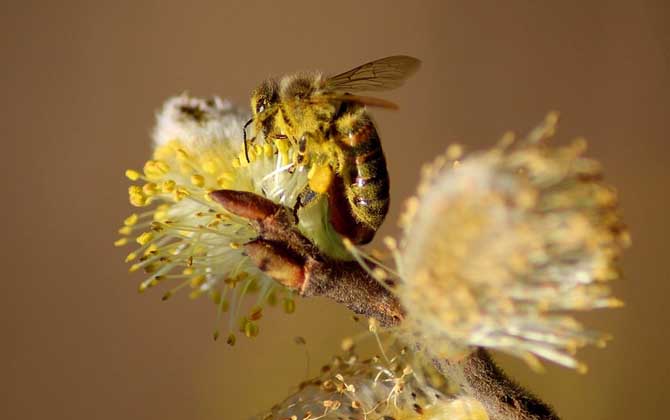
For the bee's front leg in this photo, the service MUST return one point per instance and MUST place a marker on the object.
(310, 153)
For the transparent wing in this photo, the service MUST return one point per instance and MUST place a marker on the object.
(383, 74)
(345, 97)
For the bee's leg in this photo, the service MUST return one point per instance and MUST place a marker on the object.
(301, 157)
(304, 198)
(244, 136)
(320, 173)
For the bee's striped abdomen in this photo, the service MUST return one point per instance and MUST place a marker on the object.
(364, 174)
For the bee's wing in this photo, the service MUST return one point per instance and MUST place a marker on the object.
(383, 74)
(345, 97)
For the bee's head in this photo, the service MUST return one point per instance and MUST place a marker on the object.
(264, 99)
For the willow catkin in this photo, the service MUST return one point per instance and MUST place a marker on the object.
(498, 245)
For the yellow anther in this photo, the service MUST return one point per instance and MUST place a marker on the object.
(250, 329)
(198, 180)
(165, 152)
(131, 257)
(231, 339)
(138, 200)
(145, 238)
(225, 180)
(168, 186)
(142, 287)
(155, 169)
(289, 306)
(373, 325)
(131, 220)
(162, 166)
(149, 189)
(180, 193)
(135, 267)
(134, 190)
(454, 151)
(234, 245)
(187, 271)
(209, 166)
(133, 175)
(181, 154)
(151, 249)
(236, 163)
(136, 196)
(268, 151)
(125, 230)
(160, 215)
(121, 242)
(390, 243)
(256, 313)
(197, 281)
(320, 177)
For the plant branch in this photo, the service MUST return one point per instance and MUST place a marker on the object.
(291, 259)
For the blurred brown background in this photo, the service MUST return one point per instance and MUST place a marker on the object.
(81, 82)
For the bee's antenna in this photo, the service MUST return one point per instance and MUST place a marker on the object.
(244, 136)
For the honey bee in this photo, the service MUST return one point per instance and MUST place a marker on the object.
(335, 137)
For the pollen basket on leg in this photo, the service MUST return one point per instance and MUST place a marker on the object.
(184, 238)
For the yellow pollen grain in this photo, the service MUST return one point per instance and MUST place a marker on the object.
(155, 169)
(168, 186)
(144, 238)
(121, 242)
(125, 230)
(135, 267)
(209, 166)
(180, 193)
(134, 190)
(138, 200)
(182, 154)
(454, 151)
(268, 151)
(289, 306)
(187, 271)
(151, 249)
(320, 178)
(131, 220)
(198, 180)
(160, 215)
(197, 281)
(225, 180)
(132, 175)
(131, 257)
(149, 189)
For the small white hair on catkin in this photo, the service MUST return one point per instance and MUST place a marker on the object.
(197, 122)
